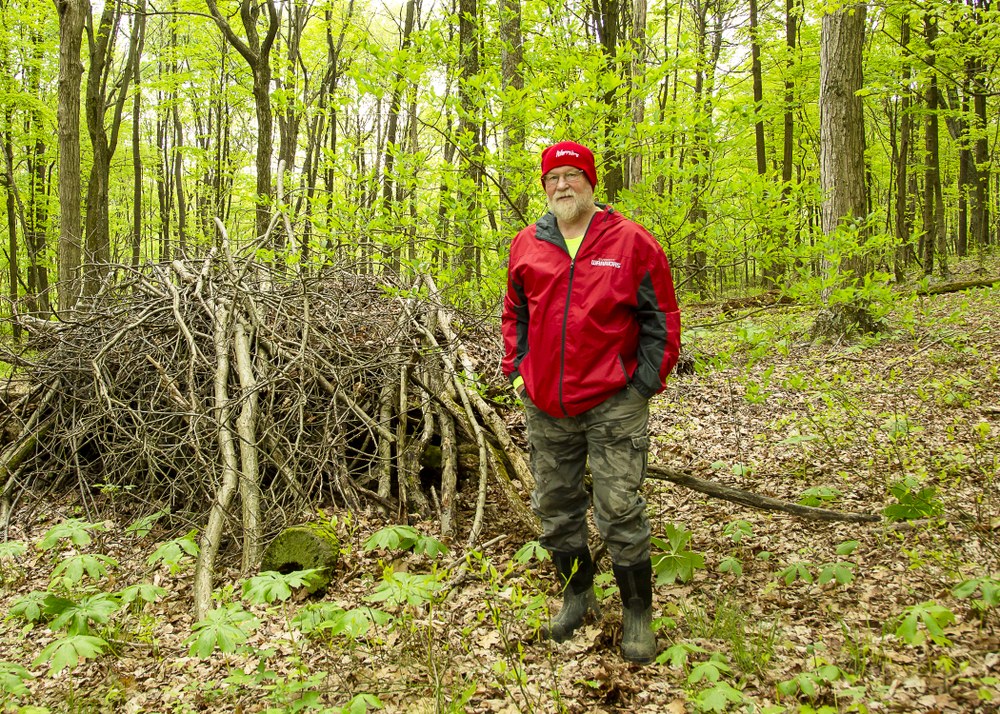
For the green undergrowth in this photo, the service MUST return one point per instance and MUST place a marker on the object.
(754, 612)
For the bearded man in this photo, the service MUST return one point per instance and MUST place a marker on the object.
(591, 330)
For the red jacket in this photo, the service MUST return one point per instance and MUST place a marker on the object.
(578, 330)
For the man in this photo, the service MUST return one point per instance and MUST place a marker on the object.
(591, 329)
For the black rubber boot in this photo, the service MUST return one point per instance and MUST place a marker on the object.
(578, 593)
(635, 582)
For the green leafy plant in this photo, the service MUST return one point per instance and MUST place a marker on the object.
(718, 697)
(796, 571)
(142, 527)
(731, 564)
(270, 586)
(675, 562)
(841, 572)
(988, 588)
(914, 500)
(12, 679)
(922, 621)
(406, 588)
(739, 530)
(174, 554)
(30, 607)
(225, 628)
(819, 496)
(72, 530)
(810, 683)
(140, 593)
(402, 537)
(10, 551)
(710, 670)
(78, 616)
(67, 652)
(677, 655)
(361, 704)
(70, 572)
(532, 550)
(327, 618)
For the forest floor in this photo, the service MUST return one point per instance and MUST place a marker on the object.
(779, 614)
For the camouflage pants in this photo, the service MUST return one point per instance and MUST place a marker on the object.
(613, 435)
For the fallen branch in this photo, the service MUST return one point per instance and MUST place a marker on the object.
(955, 287)
(754, 500)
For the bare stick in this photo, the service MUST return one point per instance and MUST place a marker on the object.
(748, 498)
(212, 535)
(246, 426)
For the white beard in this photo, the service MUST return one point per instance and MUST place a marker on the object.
(566, 211)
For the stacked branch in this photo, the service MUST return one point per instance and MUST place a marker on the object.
(242, 398)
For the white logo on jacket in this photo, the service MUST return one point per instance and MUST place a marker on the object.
(605, 263)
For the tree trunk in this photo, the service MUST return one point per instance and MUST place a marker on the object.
(789, 236)
(842, 164)
(758, 91)
(312, 545)
(709, 48)
(37, 213)
(392, 252)
(12, 267)
(607, 18)
(257, 54)
(98, 242)
(933, 216)
(903, 222)
(979, 211)
(514, 207)
(137, 195)
(638, 100)
(469, 139)
(72, 14)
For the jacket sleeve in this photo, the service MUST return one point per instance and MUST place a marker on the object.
(659, 324)
(514, 321)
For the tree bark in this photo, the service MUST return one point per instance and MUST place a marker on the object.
(933, 215)
(842, 165)
(392, 252)
(257, 54)
(903, 215)
(754, 500)
(13, 275)
(469, 140)
(37, 212)
(72, 14)
(97, 255)
(137, 178)
(515, 205)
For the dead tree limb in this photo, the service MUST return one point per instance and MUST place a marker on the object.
(212, 535)
(754, 500)
(955, 287)
(246, 427)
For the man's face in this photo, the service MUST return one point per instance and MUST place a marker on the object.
(569, 193)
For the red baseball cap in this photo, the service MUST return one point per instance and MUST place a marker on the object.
(569, 153)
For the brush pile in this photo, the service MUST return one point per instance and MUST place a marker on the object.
(200, 385)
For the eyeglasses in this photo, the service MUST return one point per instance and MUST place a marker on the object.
(570, 177)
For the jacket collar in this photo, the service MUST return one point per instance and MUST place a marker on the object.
(547, 227)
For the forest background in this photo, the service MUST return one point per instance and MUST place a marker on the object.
(405, 138)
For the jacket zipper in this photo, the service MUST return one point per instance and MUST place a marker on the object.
(562, 343)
